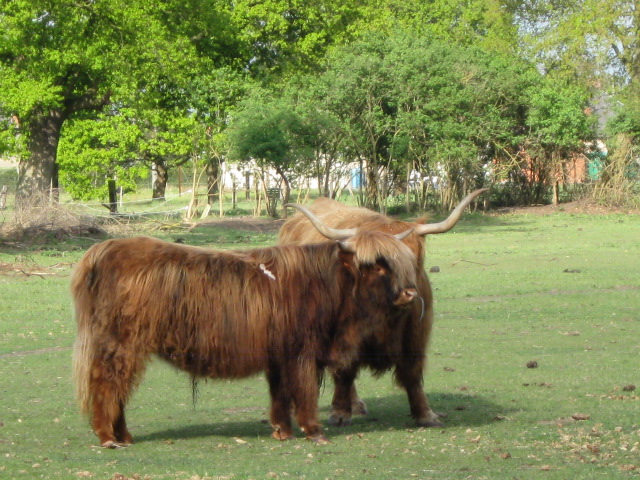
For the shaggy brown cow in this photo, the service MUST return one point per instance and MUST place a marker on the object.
(403, 346)
(289, 311)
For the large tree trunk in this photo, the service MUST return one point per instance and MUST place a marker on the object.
(160, 182)
(372, 199)
(38, 171)
(213, 180)
(326, 191)
(286, 196)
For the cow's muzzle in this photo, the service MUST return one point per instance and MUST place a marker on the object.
(406, 296)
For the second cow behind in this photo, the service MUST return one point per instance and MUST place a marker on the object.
(402, 346)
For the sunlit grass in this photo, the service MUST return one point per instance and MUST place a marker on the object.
(559, 290)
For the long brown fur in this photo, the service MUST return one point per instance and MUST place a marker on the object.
(288, 311)
(402, 346)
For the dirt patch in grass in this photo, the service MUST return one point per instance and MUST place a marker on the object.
(578, 206)
(61, 225)
(33, 269)
(270, 225)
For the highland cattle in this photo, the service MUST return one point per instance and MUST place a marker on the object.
(289, 311)
(402, 346)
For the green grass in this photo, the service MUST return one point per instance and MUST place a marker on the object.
(562, 290)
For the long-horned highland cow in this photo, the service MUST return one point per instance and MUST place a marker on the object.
(402, 345)
(290, 311)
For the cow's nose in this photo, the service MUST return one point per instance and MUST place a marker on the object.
(406, 296)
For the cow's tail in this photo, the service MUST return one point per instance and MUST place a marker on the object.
(84, 350)
(82, 360)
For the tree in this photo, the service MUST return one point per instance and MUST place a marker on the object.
(619, 175)
(406, 104)
(595, 44)
(288, 37)
(124, 145)
(268, 130)
(593, 41)
(91, 151)
(356, 87)
(558, 127)
(627, 118)
(487, 24)
(326, 140)
(59, 60)
(412, 109)
(211, 100)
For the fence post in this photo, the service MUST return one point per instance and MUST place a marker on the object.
(234, 188)
(3, 197)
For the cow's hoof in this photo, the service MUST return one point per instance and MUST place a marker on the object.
(282, 435)
(125, 439)
(113, 444)
(339, 419)
(431, 420)
(358, 407)
(319, 439)
(431, 424)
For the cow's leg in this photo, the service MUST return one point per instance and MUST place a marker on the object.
(105, 409)
(112, 376)
(281, 403)
(120, 428)
(345, 397)
(409, 370)
(305, 391)
(410, 378)
(358, 407)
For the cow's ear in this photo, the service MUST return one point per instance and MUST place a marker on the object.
(348, 260)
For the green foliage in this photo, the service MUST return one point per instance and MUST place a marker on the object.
(92, 151)
(10, 143)
(8, 177)
(270, 130)
(288, 37)
(436, 87)
(259, 130)
(627, 119)
(406, 102)
(592, 41)
(556, 116)
(594, 44)
(485, 23)
(59, 60)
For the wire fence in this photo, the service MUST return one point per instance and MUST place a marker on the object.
(169, 206)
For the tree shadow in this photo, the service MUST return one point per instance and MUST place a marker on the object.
(385, 413)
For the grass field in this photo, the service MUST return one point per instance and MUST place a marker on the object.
(561, 290)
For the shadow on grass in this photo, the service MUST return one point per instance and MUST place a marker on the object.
(456, 410)
(385, 413)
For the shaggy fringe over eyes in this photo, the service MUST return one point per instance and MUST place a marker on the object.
(371, 246)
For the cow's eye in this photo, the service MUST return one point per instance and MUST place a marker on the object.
(379, 269)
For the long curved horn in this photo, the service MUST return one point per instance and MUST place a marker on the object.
(405, 234)
(325, 230)
(337, 233)
(450, 222)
